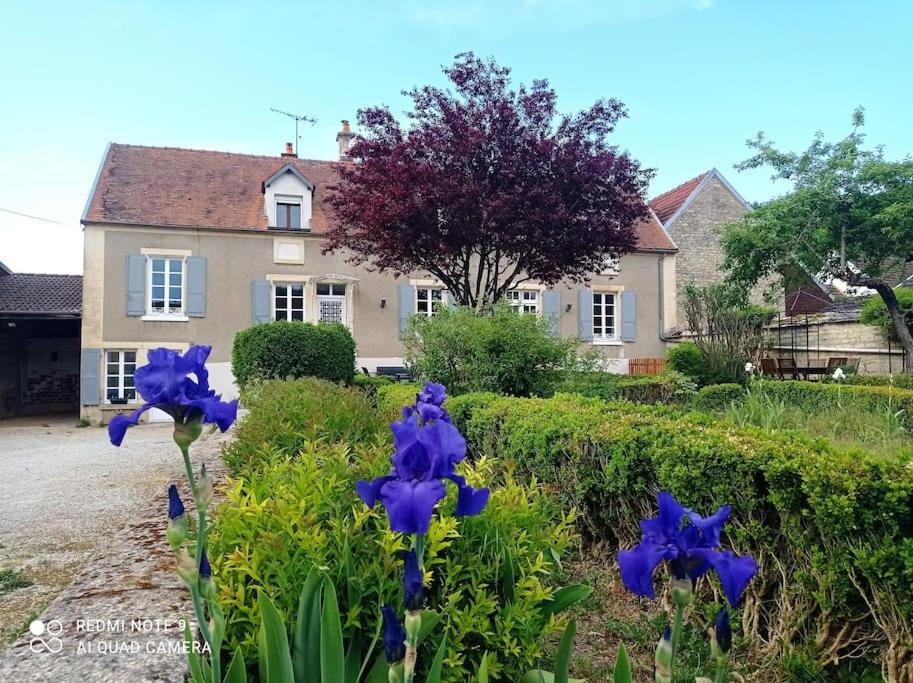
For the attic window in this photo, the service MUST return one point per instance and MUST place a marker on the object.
(288, 213)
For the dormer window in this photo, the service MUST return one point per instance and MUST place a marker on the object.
(288, 213)
(288, 198)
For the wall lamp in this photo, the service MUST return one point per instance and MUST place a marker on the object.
(567, 309)
(383, 303)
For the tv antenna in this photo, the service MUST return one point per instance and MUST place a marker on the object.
(299, 118)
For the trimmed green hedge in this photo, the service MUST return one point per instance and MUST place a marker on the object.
(832, 529)
(669, 387)
(717, 397)
(899, 381)
(286, 349)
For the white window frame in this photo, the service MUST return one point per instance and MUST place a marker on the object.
(601, 335)
(288, 299)
(342, 298)
(121, 374)
(167, 314)
(432, 309)
(520, 301)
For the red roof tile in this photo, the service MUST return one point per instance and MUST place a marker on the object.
(167, 186)
(197, 188)
(666, 204)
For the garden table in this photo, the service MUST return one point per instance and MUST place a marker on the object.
(807, 370)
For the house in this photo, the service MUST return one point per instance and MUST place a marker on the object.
(693, 214)
(189, 246)
(39, 342)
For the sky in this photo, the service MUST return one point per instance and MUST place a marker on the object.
(699, 77)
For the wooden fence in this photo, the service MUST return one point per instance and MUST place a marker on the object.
(646, 366)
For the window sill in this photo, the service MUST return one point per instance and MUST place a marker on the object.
(166, 318)
(608, 342)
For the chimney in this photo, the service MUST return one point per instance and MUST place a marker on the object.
(289, 150)
(344, 138)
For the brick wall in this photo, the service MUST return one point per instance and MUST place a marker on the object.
(52, 373)
(697, 233)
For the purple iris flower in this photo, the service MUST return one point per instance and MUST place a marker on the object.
(413, 582)
(426, 449)
(692, 547)
(394, 636)
(166, 383)
(175, 504)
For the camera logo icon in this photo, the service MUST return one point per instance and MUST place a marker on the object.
(45, 636)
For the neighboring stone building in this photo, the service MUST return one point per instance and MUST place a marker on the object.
(39, 342)
(693, 214)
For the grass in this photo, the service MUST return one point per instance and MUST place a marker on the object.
(11, 579)
(881, 432)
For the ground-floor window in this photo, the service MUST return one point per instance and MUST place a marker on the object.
(604, 327)
(288, 301)
(428, 300)
(331, 303)
(119, 368)
(524, 300)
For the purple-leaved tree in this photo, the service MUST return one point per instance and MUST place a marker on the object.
(488, 187)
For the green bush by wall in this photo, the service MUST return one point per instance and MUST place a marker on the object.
(832, 529)
(899, 381)
(292, 504)
(686, 358)
(286, 349)
(668, 387)
(717, 397)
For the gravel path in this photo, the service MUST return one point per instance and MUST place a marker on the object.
(64, 492)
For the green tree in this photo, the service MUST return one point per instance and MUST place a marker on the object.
(849, 215)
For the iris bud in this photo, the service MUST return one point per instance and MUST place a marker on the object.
(682, 592)
(207, 587)
(662, 667)
(186, 567)
(721, 636)
(177, 520)
(204, 489)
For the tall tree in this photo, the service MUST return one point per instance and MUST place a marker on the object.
(488, 187)
(849, 215)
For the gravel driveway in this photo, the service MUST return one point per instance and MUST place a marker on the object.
(63, 491)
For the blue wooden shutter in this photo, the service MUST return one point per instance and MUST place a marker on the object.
(136, 284)
(90, 377)
(406, 302)
(196, 286)
(551, 310)
(628, 316)
(260, 293)
(585, 314)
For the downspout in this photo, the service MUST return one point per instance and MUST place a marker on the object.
(662, 300)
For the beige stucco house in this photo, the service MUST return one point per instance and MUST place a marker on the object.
(188, 247)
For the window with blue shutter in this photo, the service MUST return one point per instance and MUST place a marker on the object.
(585, 314)
(551, 311)
(261, 308)
(136, 284)
(90, 377)
(406, 302)
(628, 316)
(196, 286)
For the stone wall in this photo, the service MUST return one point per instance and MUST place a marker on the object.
(827, 338)
(696, 232)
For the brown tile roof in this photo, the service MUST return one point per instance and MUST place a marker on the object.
(198, 188)
(36, 294)
(652, 237)
(666, 204)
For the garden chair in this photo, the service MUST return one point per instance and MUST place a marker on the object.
(836, 362)
(852, 365)
(769, 368)
(788, 367)
(365, 370)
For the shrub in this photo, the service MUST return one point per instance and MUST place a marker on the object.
(686, 358)
(294, 505)
(286, 414)
(875, 312)
(717, 397)
(498, 351)
(830, 528)
(669, 387)
(285, 349)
